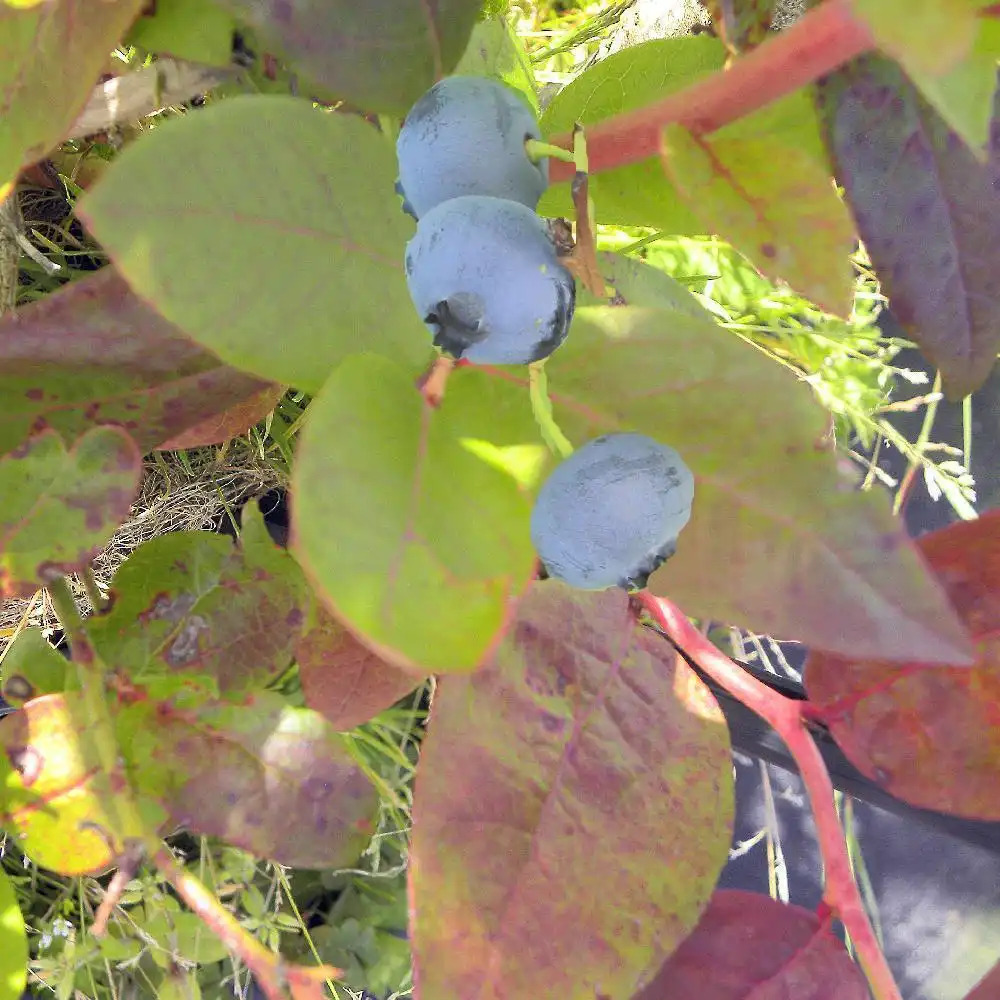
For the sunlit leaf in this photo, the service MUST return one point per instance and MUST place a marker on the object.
(927, 213)
(50, 57)
(188, 602)
(988, 987)
(572, 810)
(275, 780)
(13, 942)
(640, 194)
(747, 945)
(53, 793)
(496, 50)
(380, 55)
(94, 352)
(762, 194)
(342, 679)
(780, 540)
(306, 250)
(31, 667)
(59, 508)
(406, 519)
(930, 735)
(197, 30)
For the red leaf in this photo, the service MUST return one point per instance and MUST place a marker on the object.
(988, 987)
(229, 423)
(926, 211)
(572, 809)
(749, 946)
(930, 735)
(344, 680)
(95, 353)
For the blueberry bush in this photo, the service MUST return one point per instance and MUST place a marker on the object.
(529, 458)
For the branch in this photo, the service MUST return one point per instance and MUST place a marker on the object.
(784, 715)
(132, 96)
(271, 974)
(816, 44)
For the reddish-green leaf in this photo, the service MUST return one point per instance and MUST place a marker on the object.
(413, 523)
(52, 790)
(572, 811)
(930, 735)
(926, 211)
(741, 24)
(59, 508)
(780, 541)
(761, 190)
(230, 423)
(306, 251)
(50, 57)
(187, 602)
(380, 55)
(750, 947)
(274, 780)
(94, 352)
(342, 679)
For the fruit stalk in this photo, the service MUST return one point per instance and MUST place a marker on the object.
(816, 44)
(785, 716)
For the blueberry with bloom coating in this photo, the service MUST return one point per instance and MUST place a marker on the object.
(485, 278)
(466, 136)
(610, 514)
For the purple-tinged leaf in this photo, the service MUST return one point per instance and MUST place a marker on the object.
(59, 508)
(750, 947)
(95, 353)
(572, 810)
(927, 211)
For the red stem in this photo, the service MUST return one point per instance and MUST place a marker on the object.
(817, 43)
(784, 715)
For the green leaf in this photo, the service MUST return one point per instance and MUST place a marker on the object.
(779, 541)
(927, 211)
(188, 602)
(50, 56)
(32, 667)
(926, 36)
(380, 55)
(274, 780)
(53, 793)
(184, 934)
(59, 508)
(342, 679)
(410, 521)
(13, 942)
(306, 250)
(496, 50)
(93, 353)
(573, 808)
(197, 30)
(761, 195)
(640, 194)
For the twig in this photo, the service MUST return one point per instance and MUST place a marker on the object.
(132, 96)
(98, 602)
(785, 716)
(271, 975)
(816, 44)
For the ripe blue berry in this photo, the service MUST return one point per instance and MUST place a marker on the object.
(485, 278)
(466, 136)
(610, 514)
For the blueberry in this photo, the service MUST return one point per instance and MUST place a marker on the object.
(485, 278)
(466, 136)
(610, 514)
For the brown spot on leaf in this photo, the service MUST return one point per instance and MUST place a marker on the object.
(768, 250)
(18, 688)
(35, 394)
